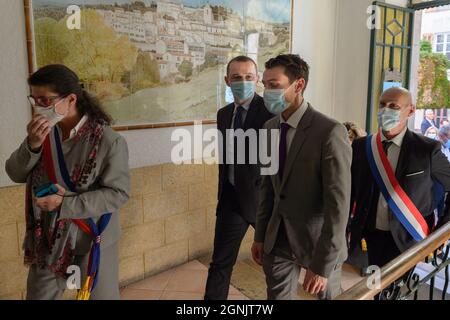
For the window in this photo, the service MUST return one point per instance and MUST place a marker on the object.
(442, 44)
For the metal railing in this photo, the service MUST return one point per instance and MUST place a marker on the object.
(394, 285)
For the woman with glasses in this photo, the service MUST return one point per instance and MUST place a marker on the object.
(76, 171)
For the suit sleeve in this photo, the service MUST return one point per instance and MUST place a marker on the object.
(440, 172)
(336, 180)
(113, 191)
(21, 162)
(265, 206)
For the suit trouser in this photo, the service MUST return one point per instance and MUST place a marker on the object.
(43, 284)
(231, 228)
(283, 272)
(381, 249)
(282, 278)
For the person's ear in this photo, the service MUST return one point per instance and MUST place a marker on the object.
(412, 110)
(300, 86)
(72, 99)
(227, 81)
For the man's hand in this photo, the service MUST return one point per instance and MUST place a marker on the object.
(51, 203)
(258, 252)
(314, 284)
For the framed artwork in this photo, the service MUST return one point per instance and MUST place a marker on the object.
(156, 63)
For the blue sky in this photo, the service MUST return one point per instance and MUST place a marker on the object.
(274, 10)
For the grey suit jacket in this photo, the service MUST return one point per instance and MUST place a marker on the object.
(313, 198)
(107, 188)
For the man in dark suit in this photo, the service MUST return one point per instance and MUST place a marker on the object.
(238, 182)
(304, 207)
(418, 164)
(428, 121)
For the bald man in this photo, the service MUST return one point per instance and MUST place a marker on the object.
(428, 121)
(418, 164)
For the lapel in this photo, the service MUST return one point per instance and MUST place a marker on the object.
(402, 163)
(297, 143)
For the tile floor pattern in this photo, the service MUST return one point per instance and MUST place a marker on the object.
(188, 281)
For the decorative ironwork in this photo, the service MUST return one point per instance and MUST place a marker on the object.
(407, 288)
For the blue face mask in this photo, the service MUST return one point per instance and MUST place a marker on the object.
(447, 144)
(243, 90)
(275, 101)
(388, 119)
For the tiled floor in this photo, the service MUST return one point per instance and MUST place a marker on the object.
(188, 281)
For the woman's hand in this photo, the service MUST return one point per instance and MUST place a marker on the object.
(38, 129)
(51, 203)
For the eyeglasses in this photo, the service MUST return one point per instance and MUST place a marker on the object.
(43, 101)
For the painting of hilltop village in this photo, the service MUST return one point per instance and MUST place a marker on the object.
(158, 62)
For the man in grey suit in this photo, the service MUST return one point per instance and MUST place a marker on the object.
(303, 210)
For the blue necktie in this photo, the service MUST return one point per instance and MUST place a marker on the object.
(283, 147)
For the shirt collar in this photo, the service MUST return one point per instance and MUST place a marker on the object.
(77, 128)
(246, 105)
(398, 139)
(296, 117)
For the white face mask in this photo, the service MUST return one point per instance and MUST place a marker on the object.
(50, 113)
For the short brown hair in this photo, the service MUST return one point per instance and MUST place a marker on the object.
(241, 59)
(295, 67)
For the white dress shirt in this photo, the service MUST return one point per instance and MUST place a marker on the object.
(383, 214)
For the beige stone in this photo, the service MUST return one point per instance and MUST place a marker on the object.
(131, 269)
(13, 276)
(136, 240)
(164, 258)
(211, 171)
(9, 245)
(13, 204)
(202, 195)
(162, 205)
(70, 295)
(185, 225)
(175, 176)
(200, 245)
(14, 296)
(145, 180)
(132, 213)
(211, 218)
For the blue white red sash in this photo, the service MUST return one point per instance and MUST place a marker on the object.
(57, 172)
(397, 199)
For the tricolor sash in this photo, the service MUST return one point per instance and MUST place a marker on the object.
(397, 199)
(57, 172)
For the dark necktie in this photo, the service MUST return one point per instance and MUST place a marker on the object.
(283, 147)
(386, 146)
(238, 124)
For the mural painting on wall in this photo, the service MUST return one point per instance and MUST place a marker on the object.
(158, 62)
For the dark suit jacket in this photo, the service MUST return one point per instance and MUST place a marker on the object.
(313, 197)
(247, 176)
(418, 154)
(425, 126)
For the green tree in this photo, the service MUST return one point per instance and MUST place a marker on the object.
(48, 48)
(434, 87)
(145, 73)
(96, 52)
(186, 69)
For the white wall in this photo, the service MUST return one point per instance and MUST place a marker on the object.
(14, 113)
(314, 38)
